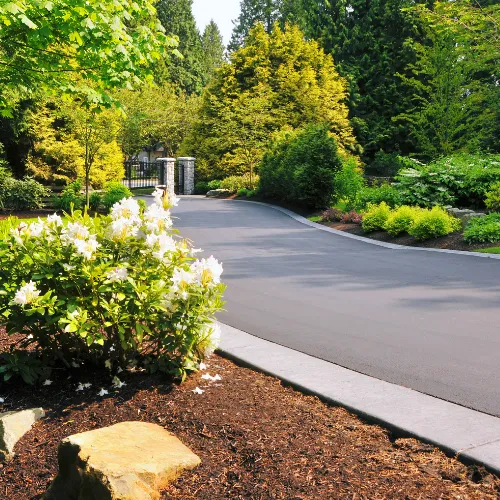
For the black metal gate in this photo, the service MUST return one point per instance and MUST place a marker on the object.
(148, 174)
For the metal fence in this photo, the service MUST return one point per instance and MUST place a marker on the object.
(147, 174)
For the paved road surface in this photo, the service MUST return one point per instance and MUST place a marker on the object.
(425, 320)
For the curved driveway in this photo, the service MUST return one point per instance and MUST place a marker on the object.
(424, 320)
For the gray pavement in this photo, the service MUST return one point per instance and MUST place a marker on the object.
(422, 320)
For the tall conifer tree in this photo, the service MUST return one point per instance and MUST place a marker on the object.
(213, 50)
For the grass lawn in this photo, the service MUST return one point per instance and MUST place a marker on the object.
(488, 250)
(142, 191)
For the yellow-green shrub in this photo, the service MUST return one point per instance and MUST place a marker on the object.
(433, 223)
(376, 217)
(401, 219)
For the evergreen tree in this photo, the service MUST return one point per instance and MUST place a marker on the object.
(275, 82)
(213, 50)
(177, 18)
(266, 12)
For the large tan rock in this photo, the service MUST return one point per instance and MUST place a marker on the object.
(127, 461)
(13, 426)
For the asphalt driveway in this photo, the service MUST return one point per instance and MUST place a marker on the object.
(425, 320)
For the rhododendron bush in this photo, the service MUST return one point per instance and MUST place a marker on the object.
(111, 290)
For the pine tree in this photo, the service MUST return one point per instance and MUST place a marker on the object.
(213, 50)
(253, 11)
(177, 18)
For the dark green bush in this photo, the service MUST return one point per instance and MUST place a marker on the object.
(114, 192)
(243, 192)
(25, 194)
(378, 194)
(214, 184)
(300, 167)
(201, 187)
(385, 165)
(251, 193)
(95, 201)
(483, 229)
(71, 196)
(460, 180)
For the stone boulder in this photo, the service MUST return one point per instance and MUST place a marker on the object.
(13, 426)
(218, 193)
(127, 461)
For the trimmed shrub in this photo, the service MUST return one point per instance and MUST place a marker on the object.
(332, 215)
(25, 194)
(214, 184)
(483, 229)
(109, 291)
(492, 200)
(201, 187)
(300, 167)
(251, 193)
(374, 195)
(433, 223)
(243, 192)
(401, 219)
(237, 182)
(115, 192)
(351, 217)
(376, 217)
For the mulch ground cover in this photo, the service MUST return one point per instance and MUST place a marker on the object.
(257, 439)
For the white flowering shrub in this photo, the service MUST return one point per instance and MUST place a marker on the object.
(112, 290)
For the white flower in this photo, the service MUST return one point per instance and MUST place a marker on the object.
(30, 336)
(157, 219)
(108, 364)
(120, 369)
(112, 349)
(35, 229)
(2, 400)
(117, 274)
(207, 271)
(68, 267)
(26, 294)
(198, 391)
(182, 277)
(122, 228)
(75, 365)
(86, 248)
(117, 383)
(55, 220)
(207, 376)
(162, 245)
(126, 208)
(158, 196)
(203, 366)
(102, 392)
(88, 385)
(75, 231)
(47, 382)
(211, 339)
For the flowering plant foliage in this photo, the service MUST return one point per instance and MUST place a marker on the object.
(111, 290)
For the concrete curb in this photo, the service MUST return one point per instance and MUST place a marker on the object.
(471, 436)
(392, 246)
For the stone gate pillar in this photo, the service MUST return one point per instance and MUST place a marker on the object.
(167, 175)
(187, 165)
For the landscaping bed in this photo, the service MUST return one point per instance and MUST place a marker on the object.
(256, 438)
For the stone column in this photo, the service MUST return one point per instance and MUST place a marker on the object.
(168, 175)
(187, 164)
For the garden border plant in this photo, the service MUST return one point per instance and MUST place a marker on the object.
(107, 290)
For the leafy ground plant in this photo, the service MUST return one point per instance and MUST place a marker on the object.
(109, 290)
(483, 229)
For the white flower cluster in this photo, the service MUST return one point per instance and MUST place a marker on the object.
(212, 336)
(80, 238)
(36, 229)
(26, 294)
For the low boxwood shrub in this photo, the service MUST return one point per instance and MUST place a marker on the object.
(201, 187)
(236, 182)
(113, 193)
(375, 217)
(95, 201)
(243, 192)
(483, 229)
(401, 219)
(433, 223)
(108, 291)
(214, 184)
(374, 195)
(492, 200)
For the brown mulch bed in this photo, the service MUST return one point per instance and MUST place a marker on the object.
(257, 440)
(453, 241)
